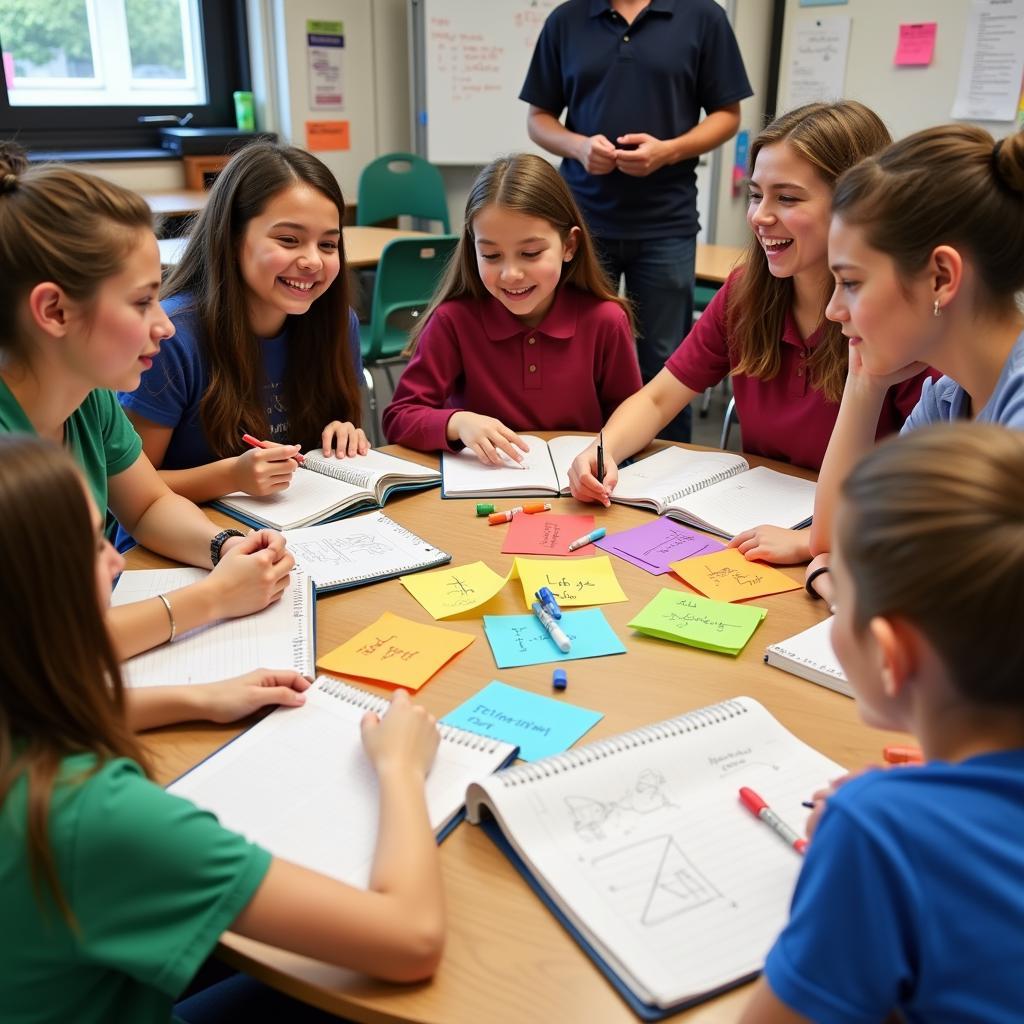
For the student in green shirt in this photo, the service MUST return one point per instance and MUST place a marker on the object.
(119, 889)
(79, 317)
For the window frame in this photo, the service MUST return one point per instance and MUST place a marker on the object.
(117, 129)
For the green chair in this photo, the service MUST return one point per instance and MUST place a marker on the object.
(702, 296)
(401, 183)
(407, 277)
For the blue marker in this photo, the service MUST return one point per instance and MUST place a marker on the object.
(547, 599)
(559, 680)
(554, 630)
(587, 538)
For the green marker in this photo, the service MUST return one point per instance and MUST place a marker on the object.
(484, 509)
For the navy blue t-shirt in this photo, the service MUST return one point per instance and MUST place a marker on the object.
(655, 76)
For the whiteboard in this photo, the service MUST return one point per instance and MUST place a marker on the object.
(471, 59)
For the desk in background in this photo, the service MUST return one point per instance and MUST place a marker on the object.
(507, 959)
(715, 262)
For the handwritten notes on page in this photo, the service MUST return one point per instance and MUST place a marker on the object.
(450, 592)
(574, 583)
(518, 640)
(539, 726)
(546, 534)
(654, 546)
(397, 651)
(728, 576)
(699, 622)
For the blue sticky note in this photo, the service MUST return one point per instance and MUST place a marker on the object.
(539, 725)
(521, 640)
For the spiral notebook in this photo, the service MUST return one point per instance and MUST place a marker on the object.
(715, 491)
(366, 549)
(299, 783)
(809, 655)
(641, 848)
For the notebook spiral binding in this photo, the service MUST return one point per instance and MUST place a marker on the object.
(371, 702)
(342, 473)
(684, 492)
(690, 722)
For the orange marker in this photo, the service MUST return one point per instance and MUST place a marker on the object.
(902, 755)
(503, 517)
(537, 506)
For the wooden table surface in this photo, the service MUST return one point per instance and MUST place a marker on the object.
(715, 262)
(506, 958)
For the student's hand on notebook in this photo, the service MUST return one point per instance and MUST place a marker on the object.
(260, 471)
(583, 476)
(404, 741)
(773, 544)
(487, 438)
(250, 576)
(240, 696)
(344, 439)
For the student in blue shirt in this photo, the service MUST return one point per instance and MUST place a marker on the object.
(910, 903)
(927, 250)
(264, 340)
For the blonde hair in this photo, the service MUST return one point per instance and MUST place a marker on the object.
(831, 137)
(947, 185)
(527, 184)
(932, 531)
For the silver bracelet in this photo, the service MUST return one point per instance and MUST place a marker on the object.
(170, 616)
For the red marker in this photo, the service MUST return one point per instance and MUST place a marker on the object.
(255, 442)
(760, 809)
(902, 755)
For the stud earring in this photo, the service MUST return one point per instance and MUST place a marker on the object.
(936, 309)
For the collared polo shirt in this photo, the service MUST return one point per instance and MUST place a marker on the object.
(568, 373)
(784, 418)
(654, 75)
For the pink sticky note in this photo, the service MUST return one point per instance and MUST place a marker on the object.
(916, 44)
(546, 534)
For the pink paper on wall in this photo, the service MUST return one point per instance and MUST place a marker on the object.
(916, 44)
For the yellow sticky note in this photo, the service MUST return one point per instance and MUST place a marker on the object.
(396, 650)
(447, 592)
(728, 576)
(574, 582)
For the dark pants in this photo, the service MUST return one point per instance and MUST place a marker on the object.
(659, 282)
(240, 998)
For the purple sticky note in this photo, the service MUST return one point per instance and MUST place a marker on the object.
(654, 545)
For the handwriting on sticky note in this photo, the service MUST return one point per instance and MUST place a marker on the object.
(575, 582)
(447, 592)
(545, 534)
(698, 621)
(396, 650)
(728, 576)
(518, 640)
(655, 545)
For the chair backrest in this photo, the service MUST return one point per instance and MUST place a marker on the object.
(408, 274)
(401, 183)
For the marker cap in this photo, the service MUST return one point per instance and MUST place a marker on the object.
(484, 509)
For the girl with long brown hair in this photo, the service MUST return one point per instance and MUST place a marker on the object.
(909, 903)
(265, 342)
(766, 326)
(525, 331)
(113, 890)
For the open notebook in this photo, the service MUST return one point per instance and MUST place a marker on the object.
(640, 846)
(283, 635)
(300, 784)
(364, 549)
(546, 474)
(809, 655)
(324, 489)
(715, 491)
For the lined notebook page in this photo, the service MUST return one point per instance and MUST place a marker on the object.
(308, 496)
(299, 783)
(464, 473)
(680, 888)
(363, 548)
(760, 497)
(563, 451)
(673, 472)
(280, 636)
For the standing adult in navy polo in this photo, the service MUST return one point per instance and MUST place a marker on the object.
(633, 77)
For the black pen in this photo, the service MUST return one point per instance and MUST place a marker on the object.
(600, 457)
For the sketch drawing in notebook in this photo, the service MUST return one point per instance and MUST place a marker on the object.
(640, 846)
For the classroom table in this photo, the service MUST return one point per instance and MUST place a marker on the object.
(715, 262)
(507, 959)
(363, 245)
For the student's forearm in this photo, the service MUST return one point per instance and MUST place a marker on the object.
(852, 437)
(143, 625)
(149, 707)
(641, 416)
(177, 528)
(549, 133)
(203, 483)
(719, 126)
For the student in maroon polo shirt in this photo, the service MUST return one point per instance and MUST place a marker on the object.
(766, 327)
(525, 331)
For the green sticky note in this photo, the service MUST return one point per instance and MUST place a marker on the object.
(699, 621)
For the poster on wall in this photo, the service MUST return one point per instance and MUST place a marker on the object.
(325, 45)
(817, 60)
(992, 63)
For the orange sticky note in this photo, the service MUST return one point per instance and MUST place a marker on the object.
(323, 135)
(728, 576)
(397, 651)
